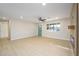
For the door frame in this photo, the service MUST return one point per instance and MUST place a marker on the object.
(77, 52)
(77, 33)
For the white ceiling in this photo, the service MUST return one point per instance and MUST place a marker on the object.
(32, 11)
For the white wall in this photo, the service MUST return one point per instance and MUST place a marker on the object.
(3, 29)
(62, 34)
(22, 29)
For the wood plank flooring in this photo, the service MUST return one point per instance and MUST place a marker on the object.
(35, 46)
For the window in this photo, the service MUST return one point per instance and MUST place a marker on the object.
(53, 27)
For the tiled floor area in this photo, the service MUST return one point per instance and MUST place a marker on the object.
(35, 46)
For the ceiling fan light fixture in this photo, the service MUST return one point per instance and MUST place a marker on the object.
(41, 19)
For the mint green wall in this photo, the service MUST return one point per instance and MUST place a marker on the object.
(39, 30)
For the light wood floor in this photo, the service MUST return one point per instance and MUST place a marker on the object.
(35, 46)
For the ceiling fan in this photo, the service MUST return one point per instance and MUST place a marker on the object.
(41, 19)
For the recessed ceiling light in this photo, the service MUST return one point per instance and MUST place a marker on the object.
(43, 4)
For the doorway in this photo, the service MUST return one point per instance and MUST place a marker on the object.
(4, 29)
